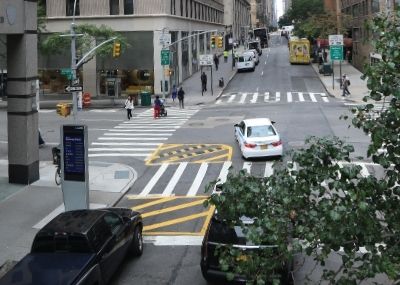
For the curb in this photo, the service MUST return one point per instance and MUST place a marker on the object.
(226, 85)
(319, 77)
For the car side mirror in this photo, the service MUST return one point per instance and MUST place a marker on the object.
(273, 122)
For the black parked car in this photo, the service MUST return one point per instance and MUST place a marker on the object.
(80, 247)
(219, 233)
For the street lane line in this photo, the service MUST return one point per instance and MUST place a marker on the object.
(174, 221)
(197, 181)
(120, 154)
(268, 169)
(231, 98)
(266, 97)
(254, 99)
(289, 97)
(242, 98)
(247, 166)
(301, 97)
(174, 180)
(135, 134)
(182, 240)
(312, 96)
(142, 131)
(325, 99)
(121, 149)
(126, 144)
(131, 139)
(262, 73)
(224, 171)
(146, 127)
(172, 208)
(154, 180)
(157, 201)
(219, 101)
(277, 96)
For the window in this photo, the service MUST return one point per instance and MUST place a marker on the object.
(100, 233)
(173, 7)
(128, 7)
(114, 7)
(186, 6)
(260, 131)
(113, 221)
(181, 8)
(70, 8)
(42, 5)
(374, 6)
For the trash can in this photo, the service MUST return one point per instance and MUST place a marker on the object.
(325, 69)
(145, 98)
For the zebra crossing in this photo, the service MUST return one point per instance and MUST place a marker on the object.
(185, 179)
(272, 97)
(140, 136)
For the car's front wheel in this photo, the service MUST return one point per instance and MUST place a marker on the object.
(137, 242)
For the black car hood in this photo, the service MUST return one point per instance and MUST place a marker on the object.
(47, 269)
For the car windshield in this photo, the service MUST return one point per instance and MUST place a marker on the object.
(260, 131)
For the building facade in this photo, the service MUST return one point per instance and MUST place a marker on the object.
(141, 23)
(237, 18)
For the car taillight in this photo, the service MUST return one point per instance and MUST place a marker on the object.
(250, 145)
(278, 143)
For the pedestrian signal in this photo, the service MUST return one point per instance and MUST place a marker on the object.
(220, 42)
(213, 41)
(117, 49)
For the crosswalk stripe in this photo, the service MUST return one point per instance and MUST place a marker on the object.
(231, 98)
(197, 181)
(146, 130)
(268, 169)
(312, 97)
(325, 99)
(118, 154)
(247, 166)
(254, 99)
(135, 134)
(125, 143)
(93, 149)
(224, 171)
(289, 97)
(301, 97)
(219, 101)
(130, 139)
(266, 97)
(146, 127)
(243, 98)
(174, 180)
(278, 96)
(154, 180)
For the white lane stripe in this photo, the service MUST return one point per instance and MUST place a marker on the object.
(131, 139)
(119, 154)
(312, 96)
(325, 99)
(289, 97)
(242, 98)
(147, 130)
(224, 171)
(301, 97)
(154, 180)
(174, 180)
(126, 144)
(231, 98)
(146, 127)
(174, 240)
(135, 120)
(277, 96)
(247, 166)
(197, 181)
(167, 124)
(93, 149)
(219, 101)
(268, 169)
(266, 96)
(254, 99)
(139, 134)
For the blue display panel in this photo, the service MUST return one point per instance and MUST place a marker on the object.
(74, 153)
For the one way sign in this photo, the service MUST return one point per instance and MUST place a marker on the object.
(73, 88)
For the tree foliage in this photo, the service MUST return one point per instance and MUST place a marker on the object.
(324, 197)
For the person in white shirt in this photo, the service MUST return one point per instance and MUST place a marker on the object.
(129, 106)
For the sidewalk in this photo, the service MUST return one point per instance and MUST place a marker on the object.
(358, 87)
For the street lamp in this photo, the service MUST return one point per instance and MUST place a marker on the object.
(73, 63)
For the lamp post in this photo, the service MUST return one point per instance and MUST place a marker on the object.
(73, 63)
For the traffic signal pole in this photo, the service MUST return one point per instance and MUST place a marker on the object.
(73, 64)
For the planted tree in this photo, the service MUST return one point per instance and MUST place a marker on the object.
(320, 203)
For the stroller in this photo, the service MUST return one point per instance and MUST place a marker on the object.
(163, 112)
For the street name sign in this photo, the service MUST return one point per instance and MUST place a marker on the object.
(67, 72)
(335, 40)
(164, 57)
(336, 52)
(73, 89)
(206, 59)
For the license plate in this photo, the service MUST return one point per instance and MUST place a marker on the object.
(264, 146)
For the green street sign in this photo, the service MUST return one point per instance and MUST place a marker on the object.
(67, 72)
(336, 52)
(164, 57)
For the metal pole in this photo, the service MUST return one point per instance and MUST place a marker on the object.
(212, 91)
(163, 69)
(333, 74)
(73, 64)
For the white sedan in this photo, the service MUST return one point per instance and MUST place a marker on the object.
(258, 138)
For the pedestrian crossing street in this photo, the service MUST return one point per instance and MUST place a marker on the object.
(140, 136)
(185, 179)
(272, 97)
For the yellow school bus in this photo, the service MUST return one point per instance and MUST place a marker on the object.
(299, 51)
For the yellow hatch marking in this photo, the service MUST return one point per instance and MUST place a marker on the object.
(175, 221)
(152, 203)
(174, 208)
(207, 221)
(168, 146)
(147, 161)
(215, 157)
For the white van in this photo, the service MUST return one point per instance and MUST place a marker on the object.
(245, 62)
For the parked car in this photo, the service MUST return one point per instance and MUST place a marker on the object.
(245, 62)
(254, 55)
(218, 234)
(258, 138)
(80, 247)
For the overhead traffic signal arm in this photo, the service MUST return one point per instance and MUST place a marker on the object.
(117, 49)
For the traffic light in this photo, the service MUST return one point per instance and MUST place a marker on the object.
(220, 42)
(64, 109)
(117, 49)
(212, 41)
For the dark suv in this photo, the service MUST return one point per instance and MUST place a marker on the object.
(220, 234)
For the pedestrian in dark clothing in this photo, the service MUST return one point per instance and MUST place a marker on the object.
(174, 93)
(41, 140)
(129, 106)
(345, 85)
(325, 55)
(203, 78)
(216, 61)
(181, 96)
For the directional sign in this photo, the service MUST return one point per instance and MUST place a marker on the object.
(336, 52)
(335, 40)
(73, 88)
(206, 59)
(164, 57)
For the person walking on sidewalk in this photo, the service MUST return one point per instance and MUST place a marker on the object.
(216, 61)
(129, 106)
(181, 97)
(203, 78)
(345, 85)
(226, 54)
(174, 93)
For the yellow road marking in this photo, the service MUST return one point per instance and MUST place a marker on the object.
(168, 146)
(207, 221)
(175, 221)
(172, 234)
(149, 204)
(176, 158)
(153, 154)
(214, 158)
(171, 209)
